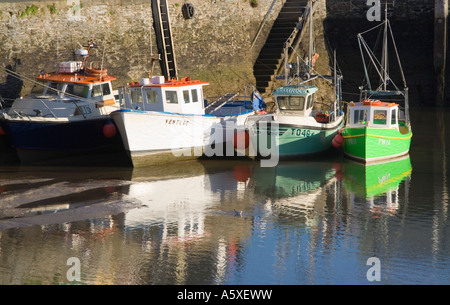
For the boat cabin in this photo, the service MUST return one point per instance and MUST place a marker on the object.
(295, 99)
(72, 91)
(374, 113)
(75, 82)
(157, 94)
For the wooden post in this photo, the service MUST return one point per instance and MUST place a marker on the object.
(440, 47)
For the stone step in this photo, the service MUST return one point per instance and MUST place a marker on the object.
(267, 61)
(271, 54)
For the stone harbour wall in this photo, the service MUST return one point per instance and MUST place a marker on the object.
(213, 46)
(404, 9)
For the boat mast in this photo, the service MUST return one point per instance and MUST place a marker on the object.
(385, 48)
(310, 37)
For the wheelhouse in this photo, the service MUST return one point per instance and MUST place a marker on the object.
(177, 96)
(294, 99)
(94, 88)
(374, 113)
(68, 93)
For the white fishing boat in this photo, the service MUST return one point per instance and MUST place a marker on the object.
(164, 120)
(66, 114)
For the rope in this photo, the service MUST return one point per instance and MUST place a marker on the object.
(398, 57)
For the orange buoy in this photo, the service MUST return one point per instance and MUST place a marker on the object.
(109, 130)
(338, 140)
(241, 139)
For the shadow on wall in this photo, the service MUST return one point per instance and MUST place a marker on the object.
(12, 87)
(414, 41)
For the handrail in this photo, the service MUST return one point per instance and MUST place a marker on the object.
(263, 23)
(45, 105)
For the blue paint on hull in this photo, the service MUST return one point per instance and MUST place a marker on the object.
(40, 141)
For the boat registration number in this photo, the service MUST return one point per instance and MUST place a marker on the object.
(301, 132)
(384, 142)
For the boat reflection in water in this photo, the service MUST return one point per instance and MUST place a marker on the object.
(296, 189)
(155, 223)
(209, 222)
(377, 183)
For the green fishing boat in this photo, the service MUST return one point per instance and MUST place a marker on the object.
(378, 127)
(375, 131)
(297, 128)
(300, 130)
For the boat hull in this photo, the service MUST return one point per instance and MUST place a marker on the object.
(50, 142)
(374, 144)
(152, 137)
(300, 140)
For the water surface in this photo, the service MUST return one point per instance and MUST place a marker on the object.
(315, 221)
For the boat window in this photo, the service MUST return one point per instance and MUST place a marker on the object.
(136, 96)
(171, 97)
(379, 117)
(121, 98)
(97, 91)
(78, 90)
(194, 95)
(359, 117)
(106, 87)
(54, 88)
(38, 89)
(100, 90)
(291, 102)
(310, 101)
(394, 117)
(152, 96)
(186, 96)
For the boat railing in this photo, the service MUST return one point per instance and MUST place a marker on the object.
(48, 108)
(220, 102)
(238, 105)
(38, 112)
(21, 114)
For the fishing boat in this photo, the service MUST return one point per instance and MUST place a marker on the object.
(299, 130)
(378, 127)
(66, 114)
(166, 118)
(297, 127)
(163, 120)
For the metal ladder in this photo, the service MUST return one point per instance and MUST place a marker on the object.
(164, 39)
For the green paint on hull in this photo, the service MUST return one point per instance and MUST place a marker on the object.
(293, 141)
(368, 180)
(371, 144)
